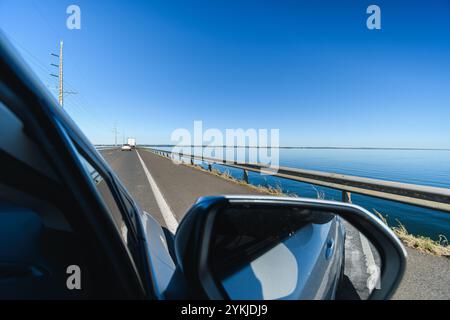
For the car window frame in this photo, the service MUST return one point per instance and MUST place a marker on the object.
(118, 194)
(56, 134)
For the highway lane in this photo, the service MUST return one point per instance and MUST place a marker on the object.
(129, 170)
(182, 185)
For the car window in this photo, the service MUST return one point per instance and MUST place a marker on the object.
(108, 198)
(122, 218)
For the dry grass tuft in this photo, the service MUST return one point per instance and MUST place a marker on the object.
(426, 245)
(276, 191)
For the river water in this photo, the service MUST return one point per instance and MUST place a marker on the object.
(424, 167)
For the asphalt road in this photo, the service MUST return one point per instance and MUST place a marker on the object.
(426, 277)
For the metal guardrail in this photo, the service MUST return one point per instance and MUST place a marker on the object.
(412, 194)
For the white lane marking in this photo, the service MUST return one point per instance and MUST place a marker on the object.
(372, 269)
(166, 212)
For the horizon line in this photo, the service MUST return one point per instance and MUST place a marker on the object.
(288, 147)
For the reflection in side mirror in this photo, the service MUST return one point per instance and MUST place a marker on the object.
(274, 252)
(287, 248)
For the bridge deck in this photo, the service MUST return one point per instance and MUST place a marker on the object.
(426, 277)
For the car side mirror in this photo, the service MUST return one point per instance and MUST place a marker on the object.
(258, 247)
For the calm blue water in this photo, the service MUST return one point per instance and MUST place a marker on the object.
(425, 167)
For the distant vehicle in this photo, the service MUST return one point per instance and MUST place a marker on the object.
(132, 142)
(126, 147)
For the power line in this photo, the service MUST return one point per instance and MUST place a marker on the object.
(34, 60)
(45, 19)
(76, 103)
(77, 100)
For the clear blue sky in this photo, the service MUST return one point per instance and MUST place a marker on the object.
(311, 69)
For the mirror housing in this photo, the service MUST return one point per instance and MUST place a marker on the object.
(196, 231)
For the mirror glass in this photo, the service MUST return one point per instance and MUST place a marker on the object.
(289, 252)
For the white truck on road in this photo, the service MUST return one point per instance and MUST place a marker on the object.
(132, 142)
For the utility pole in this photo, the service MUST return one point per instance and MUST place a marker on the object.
(60, 75)
(61, 83)
(115, 134)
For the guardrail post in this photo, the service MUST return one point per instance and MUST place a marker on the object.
(346, 197)
(245, 176)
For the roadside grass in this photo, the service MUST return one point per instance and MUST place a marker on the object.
(423, 244)
(275, 191)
